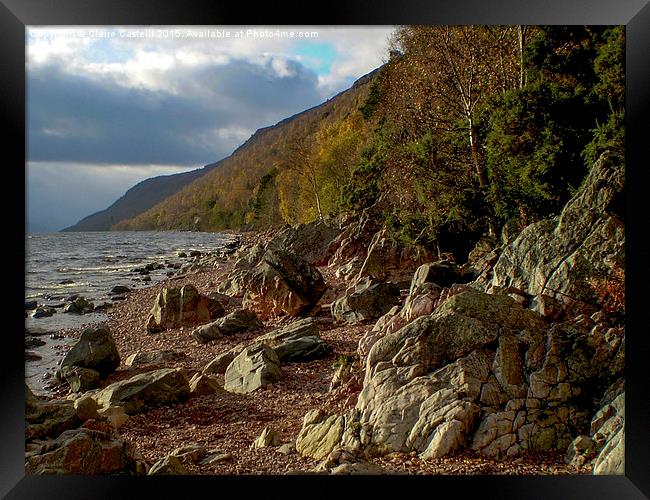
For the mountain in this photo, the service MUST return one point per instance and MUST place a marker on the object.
(260, 184)
(139, 198)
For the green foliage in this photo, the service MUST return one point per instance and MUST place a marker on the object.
(460, 133)
(364, 186)
(372, 101)
(534, 142)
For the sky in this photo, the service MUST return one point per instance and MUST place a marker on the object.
(108, 107)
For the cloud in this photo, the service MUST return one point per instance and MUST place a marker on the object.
(60, 194)
(106, 110)
(75, 118)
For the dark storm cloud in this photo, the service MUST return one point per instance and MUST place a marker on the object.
(75, 118)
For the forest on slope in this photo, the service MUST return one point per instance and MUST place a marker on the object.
(463, 131)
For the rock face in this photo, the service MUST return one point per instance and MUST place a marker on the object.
(146, 390)
(283, 284)
(237, 321)
(92, 449)
(95, 350)
(175, 307)
(560, 256)
(253, 368)
(367, 300)
(481, 372)
(312, 241)
(608, 434)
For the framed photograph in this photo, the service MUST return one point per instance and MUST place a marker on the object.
(446, 198)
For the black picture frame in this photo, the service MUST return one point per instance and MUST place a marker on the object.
(635, 14)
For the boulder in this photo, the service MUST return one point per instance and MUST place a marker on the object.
(306, 327)
(268, 437)
(30, 305)
(79, 306)
(221, 362)
(302, 349)
(89, 450)
(140, 358)
(481, 372)
(185, 306)
(283, 284)
(321, 433)
(204, 385)
(443, 273)
(568, 257)
(43, 312)
(80, 379)
(146, 390)
(241, 320)
(312, 241)
(95, 350)
(343, 461)
(190, 454)
(115, 415)
(245, 259)
(168, 466)
(253, 368)
(387, 260)
(119, 290)
(49, 418)
(581, 451)
(367, 300)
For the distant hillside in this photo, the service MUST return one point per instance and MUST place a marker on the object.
(261, 184)
(139, 198)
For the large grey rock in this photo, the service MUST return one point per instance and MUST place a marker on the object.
(481, 372)
(253, 368)
(367, 300)
(87, 451)
(283, 284)
(185, 306)
(302, 349)
(146, 390)
(220, 363)
(140, 358)
(245, 259)
(95, 350)
(563, 256)
(312, 241)
(237, 321)
(306, 327)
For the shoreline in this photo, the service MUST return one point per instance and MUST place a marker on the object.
(229, 423)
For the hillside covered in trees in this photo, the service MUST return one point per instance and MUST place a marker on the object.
(463, 131)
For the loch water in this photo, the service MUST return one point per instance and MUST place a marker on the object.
(90, 264)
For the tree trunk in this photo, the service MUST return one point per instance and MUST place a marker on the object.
(521, 31)
(476, 156)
